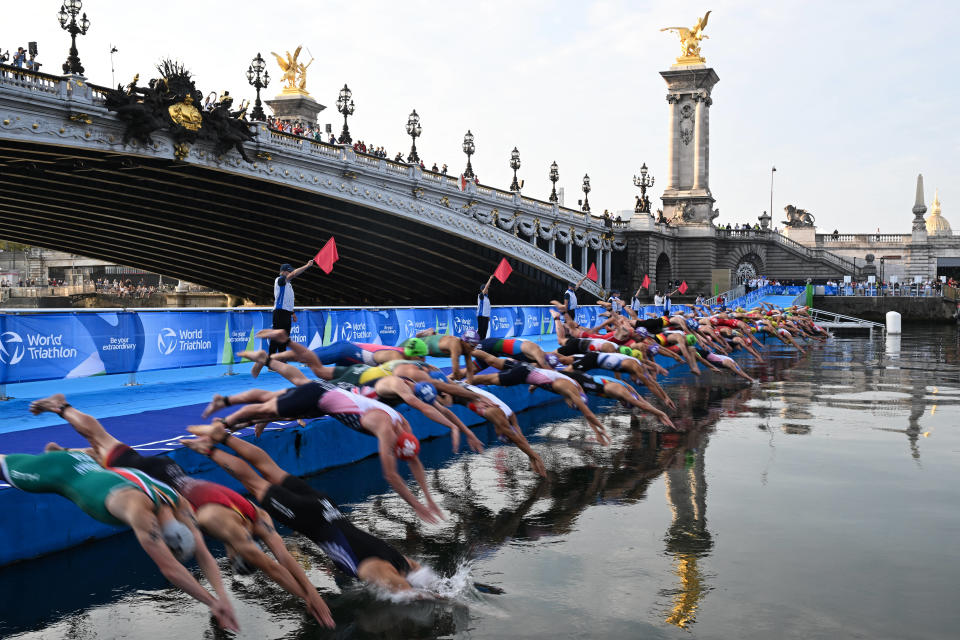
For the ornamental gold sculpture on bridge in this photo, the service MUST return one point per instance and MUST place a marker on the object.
(690, 41)
(294, 72)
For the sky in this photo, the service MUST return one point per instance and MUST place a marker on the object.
(849, 100)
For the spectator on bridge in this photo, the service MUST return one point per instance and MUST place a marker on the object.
(434, 168)
(333, 139)
(443, 170)
(20, 58)
(283, 314)
(399, 157)
(836, 234)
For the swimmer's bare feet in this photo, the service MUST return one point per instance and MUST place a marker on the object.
(53, 446)
(259, 357)
(216, 432)
(275, 335)
(554, 314)
(218, 402)
(259, 427)
(50, 403)
(201, 445)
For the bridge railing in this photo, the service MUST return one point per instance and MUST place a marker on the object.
(728, 295)
(863, 238)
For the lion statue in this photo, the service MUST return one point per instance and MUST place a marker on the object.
(797, 217)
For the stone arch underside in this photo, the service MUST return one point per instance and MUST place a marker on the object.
(231, 233)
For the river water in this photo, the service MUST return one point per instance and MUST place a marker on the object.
(822, 503)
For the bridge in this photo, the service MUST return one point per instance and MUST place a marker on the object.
(405, 235)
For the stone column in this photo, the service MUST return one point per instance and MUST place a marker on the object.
(608, 268)
(673, 158)
(598, 256)
(583, 256)
(569, 259)
(700, 135)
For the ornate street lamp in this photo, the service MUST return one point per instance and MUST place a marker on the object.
(514, 164)
(554, 177)
(586, 190)
(68, 22)
(345, 106)
(644, 181)
(259, 78)
(413, 130)
(468, 149)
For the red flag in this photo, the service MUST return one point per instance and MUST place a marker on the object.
(503, 271)
(463, 183)
(646, 281)
(592, 271)
(327, 256)
(683, 287)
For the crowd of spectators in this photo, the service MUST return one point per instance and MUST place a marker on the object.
(298, 128)
(746, 227)
(885, 288)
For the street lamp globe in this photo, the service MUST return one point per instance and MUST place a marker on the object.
(413, 130)
(468, 148)
(554, 177)
(515, 164)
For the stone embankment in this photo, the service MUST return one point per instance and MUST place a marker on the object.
(912, 310)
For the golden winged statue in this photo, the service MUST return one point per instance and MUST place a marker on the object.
(690, 40)
(292, 68)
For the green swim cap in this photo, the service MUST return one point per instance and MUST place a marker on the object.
(626, 350)
(415, 347)
(691, 339)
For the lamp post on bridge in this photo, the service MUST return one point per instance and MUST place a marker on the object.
(413, 130)
(68, 22)
(554, 177)
(468, 148)
(586, 191)
(514, 164)
(346, 107)
(259, 78)
(644, 181)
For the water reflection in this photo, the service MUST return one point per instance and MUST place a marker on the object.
(495, 505)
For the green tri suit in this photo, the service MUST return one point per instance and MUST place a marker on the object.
(78, 478)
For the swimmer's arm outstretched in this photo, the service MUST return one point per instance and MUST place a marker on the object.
(147, 530)
(388, 463)
(293, 578)
(205, 560)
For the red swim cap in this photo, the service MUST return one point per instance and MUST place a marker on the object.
(407, 446)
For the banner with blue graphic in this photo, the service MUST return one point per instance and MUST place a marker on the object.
(52, 346)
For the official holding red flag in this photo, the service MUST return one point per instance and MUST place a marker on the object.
(283, 315)
(502, 272)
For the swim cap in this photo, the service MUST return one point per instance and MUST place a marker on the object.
(691, 339)
(471, 337)
(636, 354)
(627, 351)
(426, 392)
(407, 446)
(654, 349)
(739, 309)
(736, 334)
(642, 333)
(438, 375)
(553, 360)
(179, 539)
(415, 347)
(693, 324)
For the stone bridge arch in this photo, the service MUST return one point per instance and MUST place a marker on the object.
(744, 261)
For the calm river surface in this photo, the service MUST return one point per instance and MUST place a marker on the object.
(822, 503)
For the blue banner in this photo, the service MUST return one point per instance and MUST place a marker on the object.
(40, 346)
(501, 322)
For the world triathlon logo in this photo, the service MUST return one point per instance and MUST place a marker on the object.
(409, 328)
(346, 331)
(166, 341)
(457, 325)
(11, 348)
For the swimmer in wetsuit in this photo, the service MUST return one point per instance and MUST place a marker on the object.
(299, 506)
(162, 524)
(320, 398)
(512, 372)
(618, 390)
(220, 511)
(384, 386)
(443, 346)
(515, 348)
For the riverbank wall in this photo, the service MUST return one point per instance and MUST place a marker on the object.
(913, 310)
